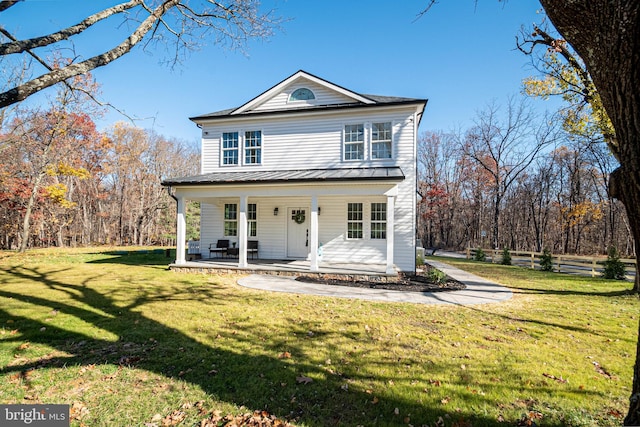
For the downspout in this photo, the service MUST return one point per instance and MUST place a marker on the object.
(169, 188)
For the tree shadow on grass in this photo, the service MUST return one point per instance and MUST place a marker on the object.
(259, 381)
(570, 292)
(151, 257)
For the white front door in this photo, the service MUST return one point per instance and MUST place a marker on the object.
(297, 232)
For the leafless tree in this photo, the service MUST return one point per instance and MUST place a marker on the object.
(505, 146)
(182, 23)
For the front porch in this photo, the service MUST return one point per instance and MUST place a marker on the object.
(349, 271)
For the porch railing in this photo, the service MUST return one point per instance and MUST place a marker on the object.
(193, 247)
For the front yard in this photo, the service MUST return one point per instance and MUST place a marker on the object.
(126, 342)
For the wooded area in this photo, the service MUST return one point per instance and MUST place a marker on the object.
(67, 184)
(513, 183)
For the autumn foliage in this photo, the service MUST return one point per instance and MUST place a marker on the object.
(64, 183)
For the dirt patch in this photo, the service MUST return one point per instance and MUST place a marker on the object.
(407, 283)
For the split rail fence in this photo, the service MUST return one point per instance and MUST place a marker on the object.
(572, 264)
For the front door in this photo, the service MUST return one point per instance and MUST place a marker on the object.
(297, 232)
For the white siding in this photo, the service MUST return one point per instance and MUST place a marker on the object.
(314, 141)
(323, 95)
(272, 230)
(311, 142)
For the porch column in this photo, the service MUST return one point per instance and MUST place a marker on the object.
(242, 233)
(391, 209)
(181, 231)
(313, 254)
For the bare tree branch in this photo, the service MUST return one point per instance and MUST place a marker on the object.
(4, 5)
(58, 75)
(19, 46)
(187, 25)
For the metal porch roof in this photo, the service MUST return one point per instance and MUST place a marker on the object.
(392, 173)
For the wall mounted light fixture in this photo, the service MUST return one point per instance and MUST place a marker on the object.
(275, 211)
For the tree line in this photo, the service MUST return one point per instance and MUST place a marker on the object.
(64, 183)
(514, 180)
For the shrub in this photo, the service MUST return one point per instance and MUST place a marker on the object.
(436, 276)
(546, 261)
(506, 257)
(480, 255)
(613, 267)
(419, 261)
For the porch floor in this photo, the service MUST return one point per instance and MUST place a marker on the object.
(287, 268)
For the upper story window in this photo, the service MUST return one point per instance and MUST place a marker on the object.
(253, 147)
(230, 148)
(354, 142)
(381, 141)
(302, 94)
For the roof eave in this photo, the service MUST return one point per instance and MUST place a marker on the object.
(318, 109)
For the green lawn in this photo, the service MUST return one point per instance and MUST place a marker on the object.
(127, 342)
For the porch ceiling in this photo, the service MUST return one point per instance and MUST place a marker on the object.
(391, 173)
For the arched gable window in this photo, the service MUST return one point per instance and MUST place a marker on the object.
(302, 94)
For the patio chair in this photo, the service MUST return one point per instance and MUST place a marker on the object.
(252, 248)
(220, 248)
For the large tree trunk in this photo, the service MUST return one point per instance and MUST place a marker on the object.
(606, 34)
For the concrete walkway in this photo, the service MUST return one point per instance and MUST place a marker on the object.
(478, 291)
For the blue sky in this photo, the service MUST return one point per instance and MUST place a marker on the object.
(461, 56)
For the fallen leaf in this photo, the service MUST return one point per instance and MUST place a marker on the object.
(303, 379)
(445, 400)
(78, 411)
(174, 418)
(602, 371)
(284, 355)
(24, 346)
(553, 377)
(375, 400)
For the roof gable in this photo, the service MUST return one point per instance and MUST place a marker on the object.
(327, 96)
(277, 97)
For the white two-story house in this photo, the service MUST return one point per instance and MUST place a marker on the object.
(310, 170)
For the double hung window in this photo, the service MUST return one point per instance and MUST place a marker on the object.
(230, 148)
(241, 146)
(358, 226)
(378, 220)
(378, 137)
(230, 219)
(252, 219)
(354, 221)
(381, 140)
(354, 142)
(253, 147)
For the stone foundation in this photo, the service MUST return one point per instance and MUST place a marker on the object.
(380, 278)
